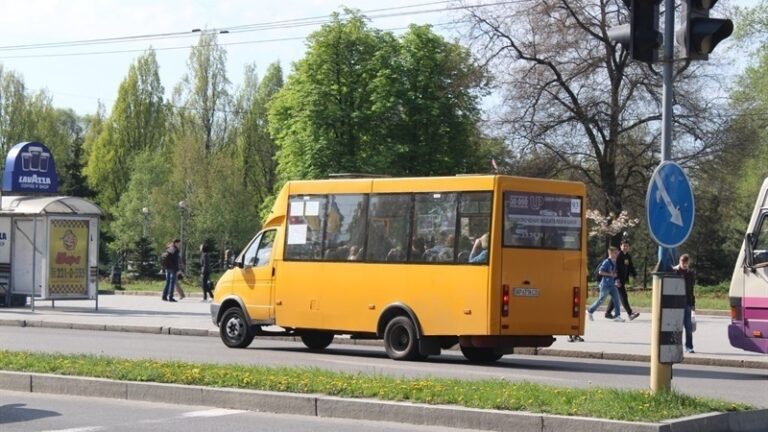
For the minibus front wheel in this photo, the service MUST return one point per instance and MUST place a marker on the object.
(234, 329)
(400, 340)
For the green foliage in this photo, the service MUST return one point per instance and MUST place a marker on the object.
(599, 402)
(363, 101)
(255, 147)
(137, 123)
(204, 91)
(145, 259)
(149, 188)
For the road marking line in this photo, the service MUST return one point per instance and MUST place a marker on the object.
(212, 413)
(81, 429)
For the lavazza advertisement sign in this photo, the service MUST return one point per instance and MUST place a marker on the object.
(29, 168)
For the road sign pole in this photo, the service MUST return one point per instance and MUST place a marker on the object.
(661, 374)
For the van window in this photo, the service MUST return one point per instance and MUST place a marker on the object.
(259, 251)
(474, 221)
(345, 227)
(434, 238)
(306, 218)
(388, 227)
(760, 248)
(544, 221)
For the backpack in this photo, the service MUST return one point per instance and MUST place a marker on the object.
(165, 260)
(597, 269)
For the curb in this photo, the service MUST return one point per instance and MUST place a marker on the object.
(549, 352)
(315, 405)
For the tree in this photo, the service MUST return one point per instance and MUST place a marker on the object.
(363, 101)
(256, 149)
(427, 105)
(72, 181)
(15, 125)
(144, 258)
(572, 93)
(204, 91)
(323, 113)
(137, 122)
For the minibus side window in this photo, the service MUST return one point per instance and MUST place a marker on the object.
(264, 253)
(760, 247)
(345, 227)
(249, 256)
(434, 231)
(474, 221)
(306, 220)
(388, 227)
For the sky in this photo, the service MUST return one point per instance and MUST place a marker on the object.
(79, 76)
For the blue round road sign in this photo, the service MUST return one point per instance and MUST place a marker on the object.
(669, 205)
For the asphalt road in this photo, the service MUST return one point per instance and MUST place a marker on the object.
(31, 412)
(732, 384)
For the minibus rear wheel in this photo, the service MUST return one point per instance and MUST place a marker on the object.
(400, 339)
(234, 329)
(317, 340)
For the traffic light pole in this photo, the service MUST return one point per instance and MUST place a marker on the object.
(661, 374)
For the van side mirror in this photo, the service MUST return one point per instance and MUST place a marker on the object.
(749, 255)
(239, 264)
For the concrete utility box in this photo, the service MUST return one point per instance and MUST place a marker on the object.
(49, 245)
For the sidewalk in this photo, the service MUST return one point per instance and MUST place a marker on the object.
(148, 314)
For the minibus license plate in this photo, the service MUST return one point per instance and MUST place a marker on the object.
(526, 292)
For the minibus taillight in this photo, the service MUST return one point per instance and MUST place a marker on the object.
(505, 300)
(576, 302)
(735, 313)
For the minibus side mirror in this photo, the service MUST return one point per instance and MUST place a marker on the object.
(239, 264)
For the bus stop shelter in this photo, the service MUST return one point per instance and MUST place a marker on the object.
(48, 249)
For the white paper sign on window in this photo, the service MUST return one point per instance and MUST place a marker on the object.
(297, 234)
(312, 208)
(297, 208)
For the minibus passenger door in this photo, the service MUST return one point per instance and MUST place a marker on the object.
(255, 281)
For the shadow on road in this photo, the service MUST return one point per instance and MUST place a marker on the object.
(16, 413)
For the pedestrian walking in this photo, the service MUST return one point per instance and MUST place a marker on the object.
(624, 269)
(177, 285)
(205, 272)
(684, 268)
(607, 273)
(170, 260)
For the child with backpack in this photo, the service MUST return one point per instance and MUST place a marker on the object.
(607, 273)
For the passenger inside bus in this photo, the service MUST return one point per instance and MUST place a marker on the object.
(479, 252)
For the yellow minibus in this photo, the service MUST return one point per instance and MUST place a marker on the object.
(488, 262)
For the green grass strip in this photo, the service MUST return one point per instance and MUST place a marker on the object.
(629, 405)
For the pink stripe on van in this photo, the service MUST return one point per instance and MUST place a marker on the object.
(755, 302)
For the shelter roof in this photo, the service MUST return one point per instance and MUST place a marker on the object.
(33, 205)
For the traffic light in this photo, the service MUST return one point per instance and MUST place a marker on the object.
(641, 37)
(700, 34)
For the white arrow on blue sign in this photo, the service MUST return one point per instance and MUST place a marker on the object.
(669, 205)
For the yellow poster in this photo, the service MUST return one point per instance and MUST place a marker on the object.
(68, 258)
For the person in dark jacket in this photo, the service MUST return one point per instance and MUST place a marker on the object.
(205, 272)
(684, 268)
(172, 265)
(624, 269)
